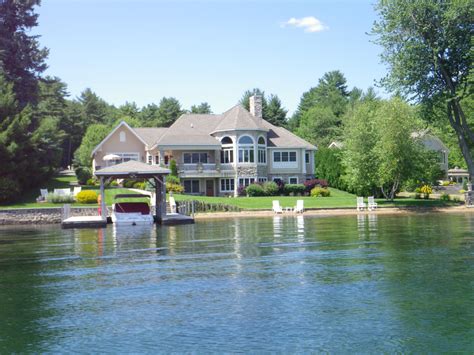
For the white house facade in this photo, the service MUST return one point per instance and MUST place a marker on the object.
(215, 154)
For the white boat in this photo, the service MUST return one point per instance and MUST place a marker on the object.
(131, 213)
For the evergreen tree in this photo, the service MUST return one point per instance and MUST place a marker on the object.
(94, 108)
(275, 112)
(21, 57)
(202, 108)
(169, 111)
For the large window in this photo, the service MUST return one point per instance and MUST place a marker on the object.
(293, 180)
(262, 151)
(285, 159)
(227, 152)
(306, 158)
(246, 150)
(227, 185)
(262, 179)
(194, 158)
(246, 181)
(124, 157)
(191, 186)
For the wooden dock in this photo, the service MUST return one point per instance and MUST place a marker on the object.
(84, 222)
(172, 219)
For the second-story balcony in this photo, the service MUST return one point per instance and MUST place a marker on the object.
(205, 170)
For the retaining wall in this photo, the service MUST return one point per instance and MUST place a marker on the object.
(45, 215)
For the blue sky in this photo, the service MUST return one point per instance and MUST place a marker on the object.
(207, 50)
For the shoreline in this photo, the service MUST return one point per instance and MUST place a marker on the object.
(32, 216)
(329, 212)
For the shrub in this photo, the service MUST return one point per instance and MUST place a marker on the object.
(87, 196)
(174, 188)
(446, 183)
(173, 168)
(9, 189)
(270, 188)
(83, 174)
(128, 183)
(172, 179)
(281, 186)
(241, 190)
(464, 184)
(294, 189)
(139, 185)
(444, 197)
(319, 191)
(426, 189)
(113, 183)
(462, 191)
(91, 182)
(311, 184)
(411, 185)
(254, 190)
(417, 196)
(54, 198)
(418, 190)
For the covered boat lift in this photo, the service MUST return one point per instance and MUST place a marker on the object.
(138, 170)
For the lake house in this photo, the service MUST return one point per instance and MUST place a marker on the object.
(215, 153)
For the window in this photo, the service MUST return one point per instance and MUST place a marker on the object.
(262, 179)
(287, 158)
(227, 156)
(246, 150)
(123, 136)
(194, 158)
(157, 159)
(124, 157)
(191, 186)
(246, 181)
(262, 151)
(306, 158)
(226, 140)
(227, 185)
(150, 159)
(293, 180)
(277, 179)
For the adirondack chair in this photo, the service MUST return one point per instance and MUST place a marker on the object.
(299, 208)
(276, 206)
(371, 204)
(77, 189)
(172, 205)
(360, 204)
(44, 193)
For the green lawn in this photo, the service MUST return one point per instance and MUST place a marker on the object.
(338, 199)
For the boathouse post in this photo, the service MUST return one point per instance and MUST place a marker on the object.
(103, 213)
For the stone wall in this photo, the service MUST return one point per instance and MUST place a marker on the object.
(41, 215)
(250, 170)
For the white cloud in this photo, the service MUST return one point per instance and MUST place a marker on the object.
(310, 24)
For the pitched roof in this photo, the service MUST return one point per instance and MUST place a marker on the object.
(132, 167)
(281, 137)
(122, 123)
(238, 118)
(150, 134)
(191, 129)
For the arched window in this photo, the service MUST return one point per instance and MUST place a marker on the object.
(123, 137)
(227, 152)
(246, 150)
(226, 140)
(262, 150)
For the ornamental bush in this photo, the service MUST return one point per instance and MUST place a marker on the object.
(174, 188)
(87, 196)
(139, 185)
(55, 198)
(9, 189)
(320, 192)
(254, 190)
(83, 174)
(91, 182)
(426, 189)
(311, 184)
(270, 188)
(172, 179)
(294, 189)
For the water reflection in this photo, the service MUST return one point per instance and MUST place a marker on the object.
(285, 283)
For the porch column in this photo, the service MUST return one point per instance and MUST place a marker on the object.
(103, 213)
(162, 157)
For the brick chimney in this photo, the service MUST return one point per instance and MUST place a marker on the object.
(255, 103)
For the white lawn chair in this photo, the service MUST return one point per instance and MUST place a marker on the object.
(172, 204)
(299, 208)
(371, 204)
(62, 192)
(360, 204)
(276, 206)
(77, 189)
(44, 193)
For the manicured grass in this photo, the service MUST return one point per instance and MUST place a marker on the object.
(338, 199)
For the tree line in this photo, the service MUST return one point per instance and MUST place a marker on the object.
(427, 47)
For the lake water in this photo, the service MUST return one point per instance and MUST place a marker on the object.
(366, 284)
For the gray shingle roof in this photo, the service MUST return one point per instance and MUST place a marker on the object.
(150, 134)
(238, 118)
(281, 137)
(131, 167)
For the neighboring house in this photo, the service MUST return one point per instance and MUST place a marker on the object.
(215, 154)
(430, 142)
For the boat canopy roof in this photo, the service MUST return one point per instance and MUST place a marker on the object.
(131, 196)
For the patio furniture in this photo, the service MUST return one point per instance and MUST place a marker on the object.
(62, 192)
(299, 208)
(44, 193)
(77, 189)
(360, 204)
(371, 204)
(276, 206)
